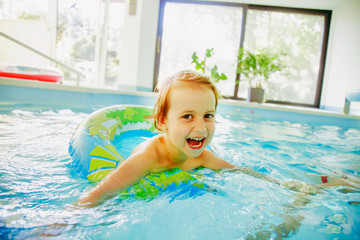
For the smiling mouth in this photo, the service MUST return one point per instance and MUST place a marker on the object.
(196, 143)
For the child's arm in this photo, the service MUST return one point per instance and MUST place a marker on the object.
(123, 177)
(214, 162)
(211, 161)
(126, 175)
(253, 173)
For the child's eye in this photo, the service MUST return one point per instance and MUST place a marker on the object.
(187, 116)
(209, 116)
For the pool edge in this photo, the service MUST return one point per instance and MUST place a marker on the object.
(112, 96)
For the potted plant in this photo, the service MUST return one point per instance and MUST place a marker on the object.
(201, 65)
(257, 69)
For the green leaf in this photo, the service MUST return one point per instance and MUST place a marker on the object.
(198, 66)
(208, 52)
(258, 66)
(201, 65)
(223, 77)
(195, 58)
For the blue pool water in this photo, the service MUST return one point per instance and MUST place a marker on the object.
(37, 184)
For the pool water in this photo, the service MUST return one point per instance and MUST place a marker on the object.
(37, 184)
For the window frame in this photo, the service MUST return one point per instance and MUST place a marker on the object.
(325, 39)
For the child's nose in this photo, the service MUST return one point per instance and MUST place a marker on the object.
(200, 126)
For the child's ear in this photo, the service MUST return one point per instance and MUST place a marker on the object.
(162, 124)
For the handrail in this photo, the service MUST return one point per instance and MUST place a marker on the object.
(351, 96)
(79, 74)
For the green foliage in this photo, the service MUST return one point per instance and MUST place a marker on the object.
(216, 76)
(84, 48)
(257, 67)
(201, 65)
(30, 16)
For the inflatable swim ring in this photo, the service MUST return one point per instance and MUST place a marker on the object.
(107, 137)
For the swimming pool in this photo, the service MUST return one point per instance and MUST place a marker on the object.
(37, 183)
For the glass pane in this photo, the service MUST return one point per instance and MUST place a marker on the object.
(300, 36)
(78, 25)
(195, 27)
(114, 43)
(76, 35)
(23, 9)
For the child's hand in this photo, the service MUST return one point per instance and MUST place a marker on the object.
(289, 227)
(61, 224)
(342, 181)
(55, 229)
(302, 187)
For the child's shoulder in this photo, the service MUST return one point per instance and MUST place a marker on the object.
(208, 153)
(149, 147)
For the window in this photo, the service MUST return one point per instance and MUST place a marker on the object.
(114, 42)
(300, 36)
(30, 22)
(76, 35)
(23, 9)
(186, 27)
(189, 28)
(83, 27)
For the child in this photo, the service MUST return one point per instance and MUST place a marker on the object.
(185, 113)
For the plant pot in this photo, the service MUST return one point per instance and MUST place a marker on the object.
(256, 95)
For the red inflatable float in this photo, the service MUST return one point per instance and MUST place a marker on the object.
(31, 73)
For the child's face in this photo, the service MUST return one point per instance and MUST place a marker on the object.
(190, 121)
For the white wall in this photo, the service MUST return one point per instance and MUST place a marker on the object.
(138, 58)
(343, 58)
(36, 34)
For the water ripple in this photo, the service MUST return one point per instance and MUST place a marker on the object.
(37, 185)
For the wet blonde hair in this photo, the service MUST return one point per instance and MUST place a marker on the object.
(188, 76)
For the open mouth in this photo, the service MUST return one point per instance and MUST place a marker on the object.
(196, 143)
